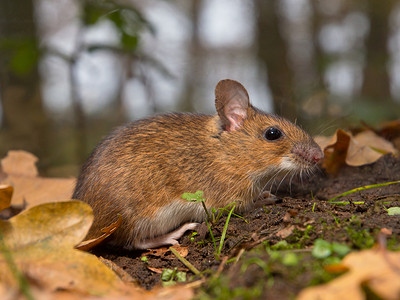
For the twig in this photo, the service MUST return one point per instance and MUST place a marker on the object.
(221, 266)
(185, 262)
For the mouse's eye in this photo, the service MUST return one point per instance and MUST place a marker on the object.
(272, 134)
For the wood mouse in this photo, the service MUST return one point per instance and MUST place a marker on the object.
(142, 169)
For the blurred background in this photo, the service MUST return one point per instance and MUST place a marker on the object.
(72, 70)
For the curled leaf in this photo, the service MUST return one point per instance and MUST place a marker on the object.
(6, 192)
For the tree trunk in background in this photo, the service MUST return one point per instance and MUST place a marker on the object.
(194, 72)
(24, 118)
(376, 84)
(272, 51)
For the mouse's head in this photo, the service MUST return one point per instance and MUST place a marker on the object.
(258, 143)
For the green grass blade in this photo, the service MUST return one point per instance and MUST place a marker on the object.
(221, 243)
(363, 188)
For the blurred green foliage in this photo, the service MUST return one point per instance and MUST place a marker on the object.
(128, 20)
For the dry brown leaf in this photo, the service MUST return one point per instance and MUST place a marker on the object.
(155, 270)
(166, 253)
(335, 151)
(38, 190)
(41, 240)
(344, 148)
(89, 244)
(390, 130)
(19, 162)
(19, 166)
(183, 251)
(379, 270)
(285, 232)
(6, 192)
(367, 147)
(158, 252)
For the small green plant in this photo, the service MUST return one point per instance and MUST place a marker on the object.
(323, 249)
(144, 259)
(337, 221)
(392, 211)
(197, 197)
(194, 233)
(313, 207)
(361, 239)
(172, 276)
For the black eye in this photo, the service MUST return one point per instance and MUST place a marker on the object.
(272, 134)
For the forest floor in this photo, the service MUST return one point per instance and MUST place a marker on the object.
(267, 253)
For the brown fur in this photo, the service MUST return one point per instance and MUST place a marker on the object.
(142, 169)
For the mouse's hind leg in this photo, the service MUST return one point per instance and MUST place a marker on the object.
(170, 238)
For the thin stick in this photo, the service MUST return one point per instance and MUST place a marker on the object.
(185, 262)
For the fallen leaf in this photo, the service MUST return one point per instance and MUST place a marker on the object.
(183, 251)
(41, 240)
(19, 162)
(6, 192)
(379, 270)
(335, 151)
(166, 253)
(345, 149)
(158, 252)
(367, 147)
(155, 270)
(336, 268)
(390, 130)
(285, 232)
(30, 189)
(107, 231)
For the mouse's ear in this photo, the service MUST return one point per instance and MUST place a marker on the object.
(232, 103)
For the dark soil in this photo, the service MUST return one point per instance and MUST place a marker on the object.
(354, 224)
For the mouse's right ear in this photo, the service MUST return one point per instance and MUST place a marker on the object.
(232, 103)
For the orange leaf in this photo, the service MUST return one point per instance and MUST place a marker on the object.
(6, 192)
(89, 244)
(336, 151)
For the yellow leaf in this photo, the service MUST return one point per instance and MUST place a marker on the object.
(377, 269)
(41, 240)
(6, 192)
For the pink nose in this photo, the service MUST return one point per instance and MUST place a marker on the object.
(311, 153)
(316, 155)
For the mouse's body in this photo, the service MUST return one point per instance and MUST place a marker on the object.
(142, 169)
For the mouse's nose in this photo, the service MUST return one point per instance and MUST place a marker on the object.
(310, 153)
(316, 155)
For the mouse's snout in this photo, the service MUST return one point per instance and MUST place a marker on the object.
(311, 154)
(316, 154)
